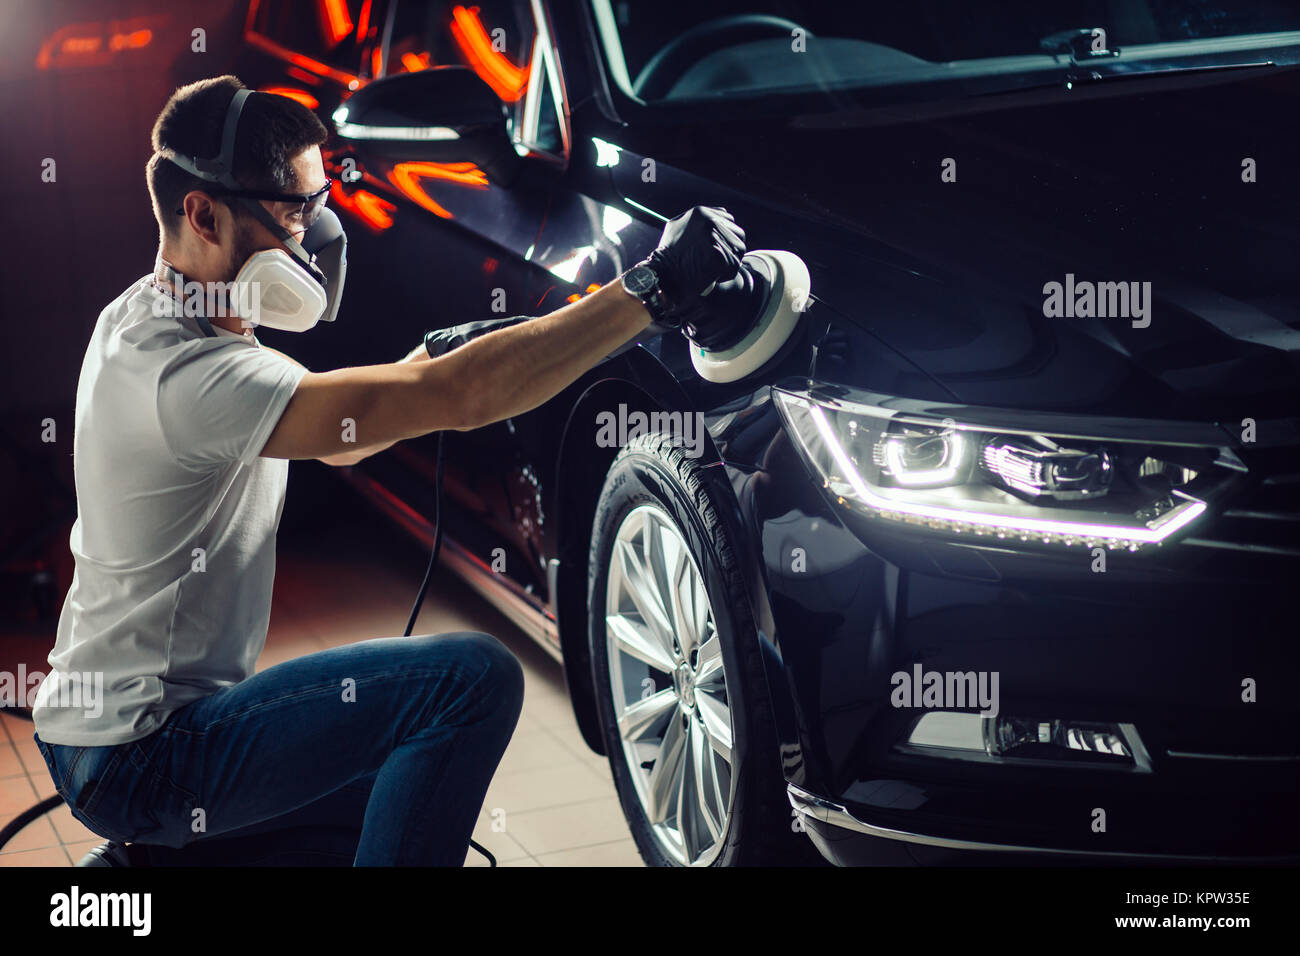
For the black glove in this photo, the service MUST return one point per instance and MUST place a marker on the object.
(700, 247)
(441, 341)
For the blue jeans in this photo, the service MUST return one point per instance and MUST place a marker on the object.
(377, 753)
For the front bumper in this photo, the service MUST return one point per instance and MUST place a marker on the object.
(845, 840)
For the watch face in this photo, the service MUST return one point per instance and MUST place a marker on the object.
(640, 280)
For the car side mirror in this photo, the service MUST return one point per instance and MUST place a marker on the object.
(444, 114)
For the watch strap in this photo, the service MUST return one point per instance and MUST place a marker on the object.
(655, 302)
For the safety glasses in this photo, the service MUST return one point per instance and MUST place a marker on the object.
(304, 208)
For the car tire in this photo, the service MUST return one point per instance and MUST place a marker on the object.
(654, 492)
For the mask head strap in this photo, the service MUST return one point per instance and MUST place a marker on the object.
(220, 170)
(292, 245)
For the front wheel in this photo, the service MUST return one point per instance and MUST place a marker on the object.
(675, 662)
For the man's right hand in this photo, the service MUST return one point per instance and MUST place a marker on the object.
(700, 247)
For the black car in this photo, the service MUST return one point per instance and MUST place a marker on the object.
(994, 559)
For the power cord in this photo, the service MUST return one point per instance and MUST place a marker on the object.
(11, 829)
(428, 576)
(437, 542)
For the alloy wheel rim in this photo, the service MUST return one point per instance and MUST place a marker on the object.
(669, 686)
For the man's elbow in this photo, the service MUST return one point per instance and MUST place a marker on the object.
(342, 459)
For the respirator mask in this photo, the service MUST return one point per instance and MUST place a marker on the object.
(288, 290)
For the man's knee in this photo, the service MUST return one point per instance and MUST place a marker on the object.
(500, 670)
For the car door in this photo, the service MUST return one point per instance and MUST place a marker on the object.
(454, 247)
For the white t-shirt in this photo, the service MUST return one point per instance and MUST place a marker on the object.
(177, 512)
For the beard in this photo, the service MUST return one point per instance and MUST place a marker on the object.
(240, 250)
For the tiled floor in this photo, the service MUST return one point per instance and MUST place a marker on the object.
(350, 579)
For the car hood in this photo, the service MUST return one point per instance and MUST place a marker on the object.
(950, 274)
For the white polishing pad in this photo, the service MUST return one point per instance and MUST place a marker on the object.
(789, 297)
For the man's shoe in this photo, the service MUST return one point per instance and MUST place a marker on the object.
(108, 854)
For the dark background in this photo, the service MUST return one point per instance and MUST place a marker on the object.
(73, 245)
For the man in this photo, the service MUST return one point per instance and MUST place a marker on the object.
(376, 753)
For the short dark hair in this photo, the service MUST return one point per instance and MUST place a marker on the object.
(272, 131)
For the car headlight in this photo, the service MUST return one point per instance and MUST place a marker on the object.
(957, 478)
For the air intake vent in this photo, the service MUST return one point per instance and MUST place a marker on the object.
(1265, 517)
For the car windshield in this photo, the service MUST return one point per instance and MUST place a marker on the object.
(683, 50)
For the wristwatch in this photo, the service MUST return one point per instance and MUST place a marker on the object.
(643, 282)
